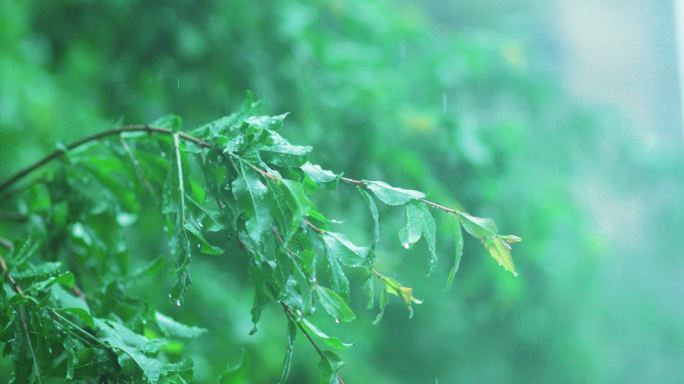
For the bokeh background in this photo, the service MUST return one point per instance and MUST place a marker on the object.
(559, 119)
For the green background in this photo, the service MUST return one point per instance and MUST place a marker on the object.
(469, 101)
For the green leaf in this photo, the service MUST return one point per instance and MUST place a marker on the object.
(66, 302)
(412, 230)
(391, 195)
(251, 194)
(384, 300)
(318, 174)
(273, 123)
(283, 154)
(339, 247)
(172, 328)
(330, 366)
(298, 204)
(458, 252)
(429, 233)
(338, 279)
(334, 304)
(204, 246)
(45, 269)
(373, 208)
(71, 347)
(478, 227)
(287, 363)
(133, 345)
(331, 341)
(183, 280)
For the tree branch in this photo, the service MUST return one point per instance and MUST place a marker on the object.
(183, 136)
(98, 136)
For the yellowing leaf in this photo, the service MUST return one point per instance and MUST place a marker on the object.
(501, 252)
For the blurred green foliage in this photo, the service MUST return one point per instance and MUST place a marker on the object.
(383, 94)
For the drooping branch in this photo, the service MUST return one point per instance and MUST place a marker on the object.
(157, 130)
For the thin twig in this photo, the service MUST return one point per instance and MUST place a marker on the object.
(183, 136)
(112, 132)
(364, 185)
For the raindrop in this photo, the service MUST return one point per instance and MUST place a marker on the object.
(405, 245)
(337, 321)
(178, 303)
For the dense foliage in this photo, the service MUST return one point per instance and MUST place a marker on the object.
(235, 180)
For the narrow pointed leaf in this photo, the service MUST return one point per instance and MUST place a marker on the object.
(412, 230)
(429, 234)
(287, 363)
(458, 253)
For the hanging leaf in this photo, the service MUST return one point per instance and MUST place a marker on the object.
(373, 208)
(429, 233)
(287, 363)
(412, 230)
(251, 194)
(458, 252)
